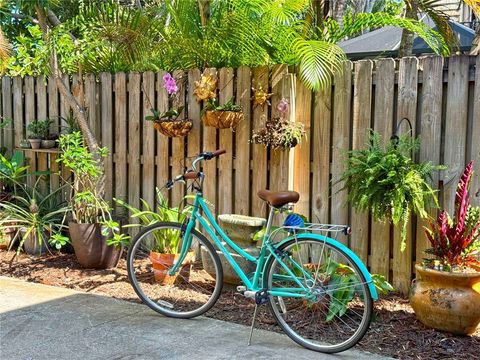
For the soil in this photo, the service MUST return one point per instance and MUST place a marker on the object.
(394, 330)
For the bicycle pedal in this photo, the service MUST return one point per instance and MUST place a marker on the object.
(241, 289)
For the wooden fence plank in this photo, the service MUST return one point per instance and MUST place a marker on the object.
(407, 108)
(148, 139)
(242, 145)
(475, 146)
(7, 113)
(19, 133)
(29, 83)
(225, 162)
(259, 153)
(134, 139)
(383, 122)
(162, 161)
(301, 167)
(53, 111)
(194, 137)
(430, 132)
(90, 104)
(41, 98)
(210, 144)
(455, 127)
(107, 130)
(362, 99)
(321, 156)
(121, 136)
(64, 107)
(341, 143)
(178, 143)
(279, 170)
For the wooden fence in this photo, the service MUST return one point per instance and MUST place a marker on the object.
(440, 96)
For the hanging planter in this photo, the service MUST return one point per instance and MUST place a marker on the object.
(279, 132)
(168, 123)
(222, 116)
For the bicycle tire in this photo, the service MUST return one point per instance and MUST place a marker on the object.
(160, 305)
(317, 342)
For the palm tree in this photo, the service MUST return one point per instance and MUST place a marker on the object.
(433, 9)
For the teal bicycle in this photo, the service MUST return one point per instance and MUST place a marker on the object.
(317, 289)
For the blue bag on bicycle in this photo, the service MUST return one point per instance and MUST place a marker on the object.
(294, 220)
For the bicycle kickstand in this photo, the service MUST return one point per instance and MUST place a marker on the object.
(253, 325)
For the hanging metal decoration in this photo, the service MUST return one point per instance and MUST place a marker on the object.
(261, 97)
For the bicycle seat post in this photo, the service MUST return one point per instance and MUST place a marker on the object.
(269, 221)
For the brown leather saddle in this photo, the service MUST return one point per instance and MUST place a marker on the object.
(278, 198)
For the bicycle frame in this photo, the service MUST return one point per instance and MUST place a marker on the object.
(254, 284)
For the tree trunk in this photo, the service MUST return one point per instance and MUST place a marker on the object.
(338, 11)
(406, 44)
(77, 108)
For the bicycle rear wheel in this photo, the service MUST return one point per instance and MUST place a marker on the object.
(335, 311)
(192, 290)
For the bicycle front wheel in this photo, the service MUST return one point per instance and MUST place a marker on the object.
(331, 310)
(192, 290)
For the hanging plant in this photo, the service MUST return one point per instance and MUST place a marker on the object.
(205, 88)
(168, 122)
(261, 97)
(223, 116)
(279, 132)
(388, 183)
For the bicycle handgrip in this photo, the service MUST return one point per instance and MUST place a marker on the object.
(219, 152)
(211, 155)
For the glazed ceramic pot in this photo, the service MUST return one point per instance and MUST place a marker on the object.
(447, 301)
(91, 247)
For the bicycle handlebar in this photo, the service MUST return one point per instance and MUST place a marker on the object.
(193, 173)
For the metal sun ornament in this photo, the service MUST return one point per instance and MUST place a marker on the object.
(205, 88)
(261, 97)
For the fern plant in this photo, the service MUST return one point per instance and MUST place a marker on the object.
(388, 183)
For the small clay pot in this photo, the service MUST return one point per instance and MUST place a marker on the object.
(162, 262)
(35, 143)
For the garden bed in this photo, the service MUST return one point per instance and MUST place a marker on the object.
(394, 331)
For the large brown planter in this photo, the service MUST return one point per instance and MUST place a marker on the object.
(91, 247)
(447, 301)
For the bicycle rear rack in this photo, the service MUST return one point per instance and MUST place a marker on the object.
(330, 230)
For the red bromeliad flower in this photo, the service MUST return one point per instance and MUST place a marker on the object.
(450, 238)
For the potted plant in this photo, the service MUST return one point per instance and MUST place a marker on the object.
(35, 131)
(388, 183)
(38, 218)
(95, 236)
(446, 293)
(167, 244)
(48, 139)
(24, 144)
(279, 133)
(223, 116)
(168, 122)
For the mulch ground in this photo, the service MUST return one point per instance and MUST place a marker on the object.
(394, 331)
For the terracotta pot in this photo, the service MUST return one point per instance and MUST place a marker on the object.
(91, 248)
(35, 143)
(447, 301)
(163, 262)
